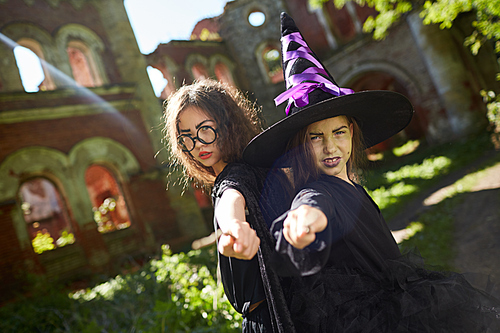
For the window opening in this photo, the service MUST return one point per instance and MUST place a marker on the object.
(83, 65)
(256, 18)
(80, 67)
(223, 74)
(157, 80)
(30, 69)
(199, 72)
(46, 218)
(272, 61)
(109, 206)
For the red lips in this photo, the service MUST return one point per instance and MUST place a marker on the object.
(204, 155)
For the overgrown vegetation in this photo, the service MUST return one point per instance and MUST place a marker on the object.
(485, 27)
(177, 293)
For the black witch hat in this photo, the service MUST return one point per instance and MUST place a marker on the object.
(313, 95)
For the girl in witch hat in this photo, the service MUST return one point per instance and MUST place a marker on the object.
(353, 276)
(207, 125)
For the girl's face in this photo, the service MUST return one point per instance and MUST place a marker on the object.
(331, 140)
(195, 123)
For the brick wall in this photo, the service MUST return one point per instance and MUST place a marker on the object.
(62, 134)
(152, 207)
(12, 261)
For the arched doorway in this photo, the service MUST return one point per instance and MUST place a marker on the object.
(376, 80)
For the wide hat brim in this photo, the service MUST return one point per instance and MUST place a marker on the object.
(380, 115)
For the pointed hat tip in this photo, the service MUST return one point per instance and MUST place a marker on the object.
(287, 24)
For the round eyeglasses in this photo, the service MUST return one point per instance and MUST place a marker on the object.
(205, 134)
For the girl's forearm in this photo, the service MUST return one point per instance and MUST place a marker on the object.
(230, 207)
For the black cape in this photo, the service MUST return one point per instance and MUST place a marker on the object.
(354, 278)
(247, 282)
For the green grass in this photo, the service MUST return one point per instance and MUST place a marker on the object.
(395, 181)
(433, 236)
(433, 232)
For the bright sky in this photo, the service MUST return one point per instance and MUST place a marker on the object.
(159, 21)
(153, 22)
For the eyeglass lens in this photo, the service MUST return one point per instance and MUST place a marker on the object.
(205, 134)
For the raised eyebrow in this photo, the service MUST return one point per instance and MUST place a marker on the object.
(204, 121)
(338, 129)
(180, 129)
(197, 126)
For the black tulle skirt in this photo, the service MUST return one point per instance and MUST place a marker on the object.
(406, 298)
(258, 321)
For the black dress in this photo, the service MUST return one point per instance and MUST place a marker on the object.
(354, 279)
(247, 282)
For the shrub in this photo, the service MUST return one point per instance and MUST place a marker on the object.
(177, 293)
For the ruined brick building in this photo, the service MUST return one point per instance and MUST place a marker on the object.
(81, 191)
(80, 187)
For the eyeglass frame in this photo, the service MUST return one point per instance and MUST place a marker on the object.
(197, 137)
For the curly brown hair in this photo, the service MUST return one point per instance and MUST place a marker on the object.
(236, 117)
(301, 156)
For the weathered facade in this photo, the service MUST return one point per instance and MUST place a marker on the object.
(81, 191)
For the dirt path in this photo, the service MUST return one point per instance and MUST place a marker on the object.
(477, 223)
(477, 233)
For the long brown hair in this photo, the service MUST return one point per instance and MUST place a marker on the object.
(303, 164)
(236, 117)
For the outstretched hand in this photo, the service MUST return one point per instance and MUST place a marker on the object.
(239, 241)
(302, 224)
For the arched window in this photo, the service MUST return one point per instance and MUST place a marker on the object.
(170, 87)
(272, 63)
(45, 215)
(223, 73)
(32, 70)
(80, 67)
(199, 71)
(158, 82)
(109, 206)
(82, 64)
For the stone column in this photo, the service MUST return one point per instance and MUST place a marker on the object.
(450, 78)
(132, 66)
(9, 72)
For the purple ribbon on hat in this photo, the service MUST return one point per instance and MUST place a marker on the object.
(299, 84)
(300, 93)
